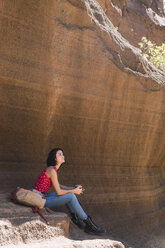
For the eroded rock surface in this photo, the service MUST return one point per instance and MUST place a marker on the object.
(62, 84)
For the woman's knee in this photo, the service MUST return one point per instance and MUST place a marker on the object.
(72, 196)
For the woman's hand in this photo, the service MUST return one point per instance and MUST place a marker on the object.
(78, 190)
(80, 186)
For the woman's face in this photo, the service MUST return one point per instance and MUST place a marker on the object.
(60, 157)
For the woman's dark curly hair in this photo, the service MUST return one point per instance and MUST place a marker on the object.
(51, 160)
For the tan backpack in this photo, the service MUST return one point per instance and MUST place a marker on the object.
(29, 198)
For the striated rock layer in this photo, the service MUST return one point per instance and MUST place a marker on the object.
(62, 85)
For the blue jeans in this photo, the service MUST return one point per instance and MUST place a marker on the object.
(70, 200)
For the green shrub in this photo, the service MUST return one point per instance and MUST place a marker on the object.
(155, 54)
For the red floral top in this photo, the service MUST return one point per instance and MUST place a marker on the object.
(43, 183)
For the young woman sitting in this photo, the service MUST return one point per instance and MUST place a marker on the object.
(63, 195)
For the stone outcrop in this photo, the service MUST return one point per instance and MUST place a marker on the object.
(18, 224)
(20, 227)
(62, 84)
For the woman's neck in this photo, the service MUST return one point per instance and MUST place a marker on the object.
(58, 166)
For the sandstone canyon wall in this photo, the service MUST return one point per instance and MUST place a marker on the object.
(62, 84)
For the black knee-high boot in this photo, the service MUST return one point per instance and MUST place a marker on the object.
(77, 221)
(91, 227)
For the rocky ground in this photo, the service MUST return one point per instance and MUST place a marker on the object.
(62, 242)
(19, 227)
(35, 233)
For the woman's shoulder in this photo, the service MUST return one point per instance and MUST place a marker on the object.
(50, 170)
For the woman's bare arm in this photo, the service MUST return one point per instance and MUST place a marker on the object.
(66, 187)
(56, 185)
